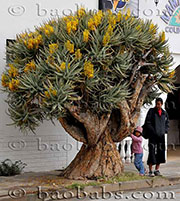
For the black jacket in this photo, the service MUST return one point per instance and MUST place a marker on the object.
(156, 125)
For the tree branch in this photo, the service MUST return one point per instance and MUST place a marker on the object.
(139, 104)
(123, 130)
(129, 118)
(140, 64)
(138, 86)
(93, 125)
(133, 74)
(147, 53)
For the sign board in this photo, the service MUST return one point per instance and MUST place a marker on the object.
(119, 5)
(171, 16)
(167, 15)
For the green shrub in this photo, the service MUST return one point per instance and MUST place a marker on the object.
(8, 168)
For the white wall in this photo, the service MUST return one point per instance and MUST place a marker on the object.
(52, 150)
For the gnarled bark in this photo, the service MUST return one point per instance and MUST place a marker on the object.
(93, 125)
(99, 160)
(123, 129)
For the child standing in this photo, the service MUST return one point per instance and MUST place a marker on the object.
(137, 150)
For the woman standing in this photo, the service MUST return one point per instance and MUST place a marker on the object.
(156, 124)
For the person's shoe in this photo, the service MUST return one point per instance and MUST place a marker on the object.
(151, 174)
(146, 171)
(157, 173)
(142, 175)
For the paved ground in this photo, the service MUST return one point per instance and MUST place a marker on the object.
(171, 168)
(173, 153)
(51, 179)
(153, 194)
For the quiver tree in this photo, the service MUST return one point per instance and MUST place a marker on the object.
(92, 72)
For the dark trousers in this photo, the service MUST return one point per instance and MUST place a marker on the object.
(157, 150)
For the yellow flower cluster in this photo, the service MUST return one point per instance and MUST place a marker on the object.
(13, 85)
(23, 35)
(81, 12)
(110, 29)
(152, 28)
(62, 67)
(4, 80)
(128, 14)
(95, 20)
(30, 66)
(162, 36)
(109, 12)
(98, 17)
(78, 54)
(86, 35)
(171, 75)
(47, 29)
(50, 92)
(88, 69)
(106, 39)
(138, 27)
(33, 42)
(67, 18)
(119, 16)
(69, 46)
(53, 47)
(13, 71)
(132, 19)
(107, 35)
(71, 24)
(112, 20)
(91, 25)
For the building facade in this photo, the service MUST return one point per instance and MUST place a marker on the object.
(52, 148)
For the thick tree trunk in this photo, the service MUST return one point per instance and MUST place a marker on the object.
(100, 160)
(99, 156)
